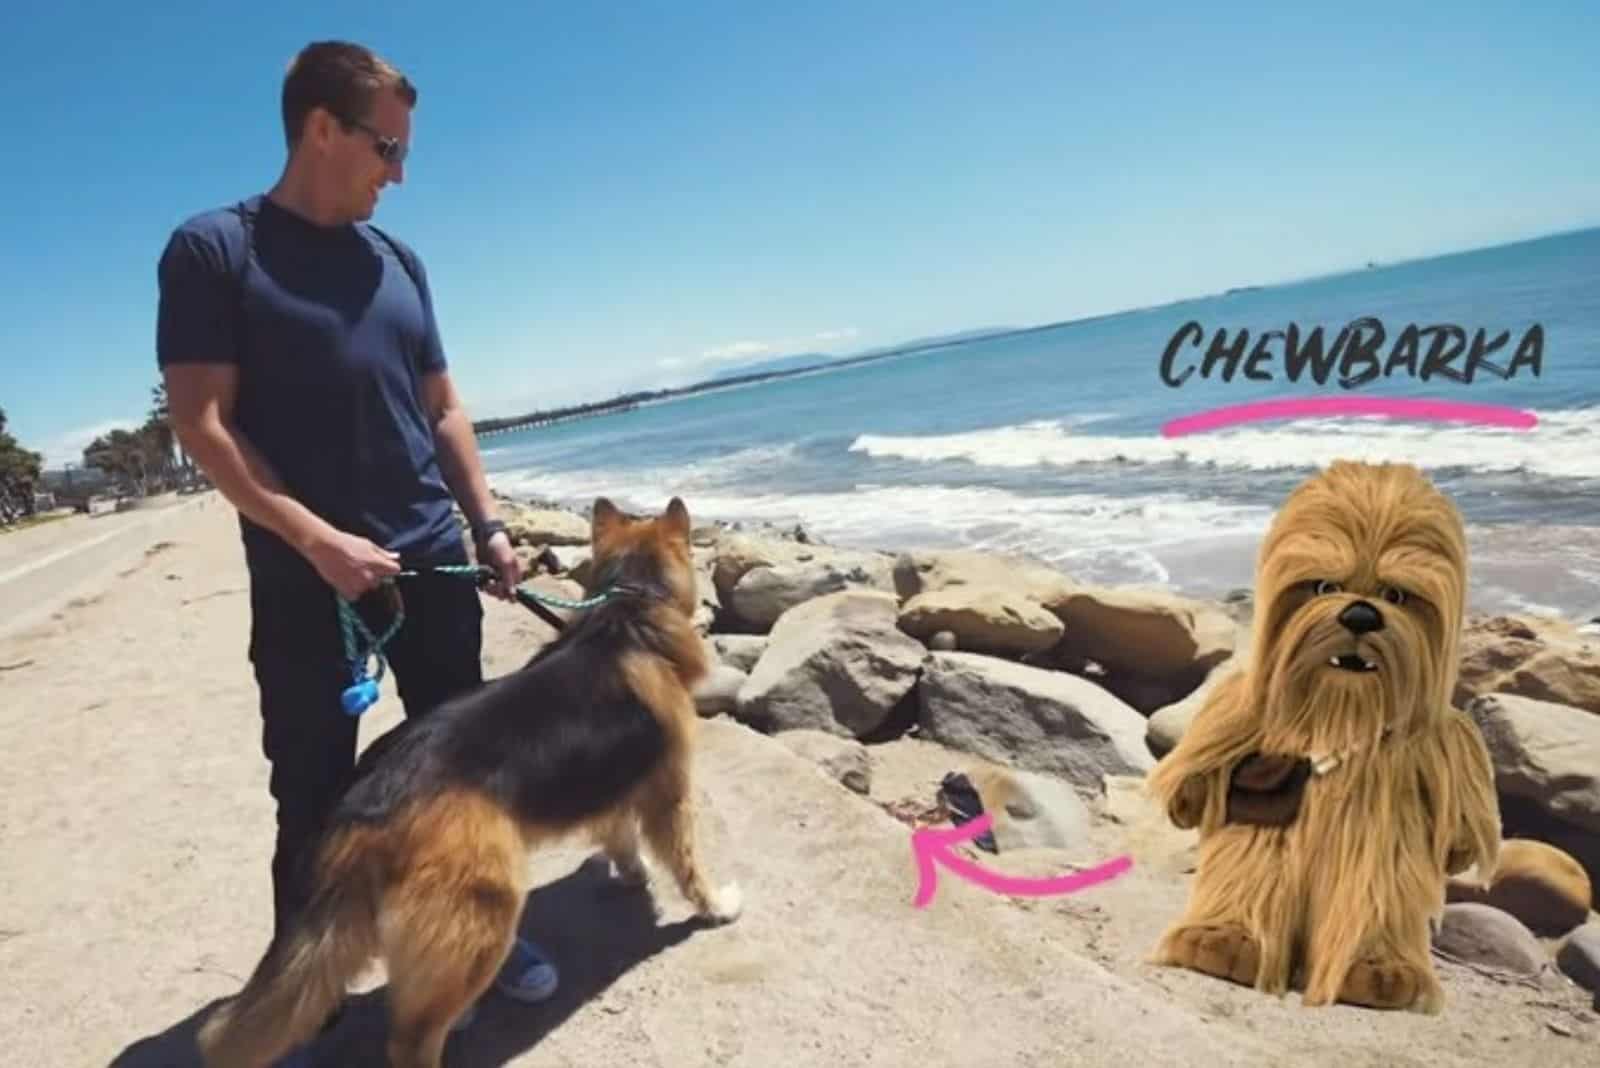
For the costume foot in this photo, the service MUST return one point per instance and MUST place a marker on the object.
(1388, 984)
(1227, 952)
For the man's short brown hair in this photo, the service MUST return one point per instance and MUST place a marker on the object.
(341, 78)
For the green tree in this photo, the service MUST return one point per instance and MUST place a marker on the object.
(132, 456)
(19, 469)
(159, 438)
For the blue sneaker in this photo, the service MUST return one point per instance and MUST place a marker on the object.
(527, 975)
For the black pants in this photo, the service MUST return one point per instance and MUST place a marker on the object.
(297, 650)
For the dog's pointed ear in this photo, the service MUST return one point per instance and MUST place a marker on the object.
(604, 517)
(677, 517)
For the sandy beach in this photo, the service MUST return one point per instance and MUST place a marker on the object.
(136, 827)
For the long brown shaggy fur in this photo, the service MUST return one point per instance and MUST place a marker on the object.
(1339, 898)
(424, 863)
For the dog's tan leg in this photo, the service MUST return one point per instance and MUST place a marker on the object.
(669, 829)
(448, 924)
(441, 957)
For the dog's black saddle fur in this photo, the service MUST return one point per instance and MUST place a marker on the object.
(561, 739)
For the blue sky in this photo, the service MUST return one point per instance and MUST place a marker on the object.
(615, 196)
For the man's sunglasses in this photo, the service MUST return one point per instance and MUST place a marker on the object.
(389, 149)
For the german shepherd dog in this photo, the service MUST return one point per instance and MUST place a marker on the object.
(424, 861)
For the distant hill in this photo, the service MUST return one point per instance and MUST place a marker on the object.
(941, 339)
(804, 361)
(800, 361)
(755, 371)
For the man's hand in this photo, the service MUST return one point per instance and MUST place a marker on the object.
(497, 553)
(352, 564)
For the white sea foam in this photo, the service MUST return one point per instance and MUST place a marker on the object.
(1204, 546)
(1565, 444)
(1099, 537)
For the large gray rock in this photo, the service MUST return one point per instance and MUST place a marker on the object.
(1168, 725)
(571, 560)
(709, 602)
(922, 571)
(1543, 659)
(1546, 753)
(1482, 934)
(983, 620)
(543, 526)
(740, 650)
(1031, 718)
(736, 554)
(766, 592)
(1579, 956)
(1146, 632)
(836, 663)
(1151, 647)
(718, 693)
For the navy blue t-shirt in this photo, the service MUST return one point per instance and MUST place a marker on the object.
(331, 334)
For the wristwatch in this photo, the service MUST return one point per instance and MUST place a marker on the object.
(482, 532)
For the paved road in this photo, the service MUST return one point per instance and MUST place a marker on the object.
(43, 567)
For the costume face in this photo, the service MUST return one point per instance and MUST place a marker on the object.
(1362, 582)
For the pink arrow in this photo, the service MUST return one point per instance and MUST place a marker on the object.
(931, 845)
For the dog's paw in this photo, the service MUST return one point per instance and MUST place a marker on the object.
(630, 874)
(726, 904)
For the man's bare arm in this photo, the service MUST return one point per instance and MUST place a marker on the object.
(200, 398)
(459, 460)
(462, 468)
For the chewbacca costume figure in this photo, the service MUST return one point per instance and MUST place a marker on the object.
(1333, 784)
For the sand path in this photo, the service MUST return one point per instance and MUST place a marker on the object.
(135, 830)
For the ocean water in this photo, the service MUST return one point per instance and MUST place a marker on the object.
(1049, 442)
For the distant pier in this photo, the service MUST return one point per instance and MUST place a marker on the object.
(490, 427)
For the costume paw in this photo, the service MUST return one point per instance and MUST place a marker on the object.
(1227, 952)
(1389, 984)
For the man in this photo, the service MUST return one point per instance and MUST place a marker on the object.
(306, 376)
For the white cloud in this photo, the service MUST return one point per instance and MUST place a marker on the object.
(745, 350)
(67, 447)
(739, 350)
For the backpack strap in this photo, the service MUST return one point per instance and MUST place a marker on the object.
(247, 220)
(246, 223)
(399, 254)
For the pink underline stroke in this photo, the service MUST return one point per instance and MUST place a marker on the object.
(1296, 408)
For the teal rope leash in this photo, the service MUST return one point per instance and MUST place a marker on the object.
(362, 693)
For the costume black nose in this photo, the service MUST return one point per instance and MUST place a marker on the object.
(1361, 618)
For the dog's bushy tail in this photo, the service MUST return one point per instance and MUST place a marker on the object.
(304, 973)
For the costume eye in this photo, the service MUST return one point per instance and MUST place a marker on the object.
(1393, 594)
(1323, 587)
